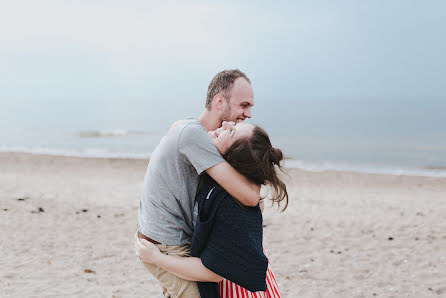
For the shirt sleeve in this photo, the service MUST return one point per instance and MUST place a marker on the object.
(197, 148)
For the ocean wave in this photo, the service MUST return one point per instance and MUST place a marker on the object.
(89, 153)
(365, 168)
(322, 166)
(110, 133)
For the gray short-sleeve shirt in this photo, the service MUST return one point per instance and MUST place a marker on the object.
(167, 209)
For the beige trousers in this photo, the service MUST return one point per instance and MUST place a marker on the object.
(174, 286)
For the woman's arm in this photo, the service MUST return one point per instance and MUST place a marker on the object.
(189, 268)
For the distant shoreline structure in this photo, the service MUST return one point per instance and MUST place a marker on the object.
(322, 166)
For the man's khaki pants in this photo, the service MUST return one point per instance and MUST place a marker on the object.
(174, 286)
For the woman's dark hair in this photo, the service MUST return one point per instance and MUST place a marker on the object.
(256, 158)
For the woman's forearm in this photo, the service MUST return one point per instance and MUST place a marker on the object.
(189, 268)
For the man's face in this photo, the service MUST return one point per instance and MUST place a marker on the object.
(240, 103)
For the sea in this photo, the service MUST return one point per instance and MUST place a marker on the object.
(400, 136)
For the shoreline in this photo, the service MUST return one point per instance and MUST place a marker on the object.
(426, 171)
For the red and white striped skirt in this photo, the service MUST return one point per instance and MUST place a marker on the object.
(228, 289)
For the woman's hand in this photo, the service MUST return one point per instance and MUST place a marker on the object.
(189, 268)
(146, 251)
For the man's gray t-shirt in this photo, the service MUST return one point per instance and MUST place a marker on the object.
(167, 210)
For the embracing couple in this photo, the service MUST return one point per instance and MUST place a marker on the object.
(199, 219)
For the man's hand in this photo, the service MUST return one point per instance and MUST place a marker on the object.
(227, 124)
(224, 126)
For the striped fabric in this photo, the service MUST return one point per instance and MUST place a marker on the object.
(229, 289)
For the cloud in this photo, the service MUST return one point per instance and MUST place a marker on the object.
(326, 48)
(136, 28)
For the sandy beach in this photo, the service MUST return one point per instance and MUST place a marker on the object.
(67, 227)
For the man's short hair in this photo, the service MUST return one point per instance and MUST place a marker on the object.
(222, 84)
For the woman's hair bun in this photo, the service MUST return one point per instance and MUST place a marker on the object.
(276, 155)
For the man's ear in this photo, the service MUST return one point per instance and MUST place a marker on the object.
(219, 102)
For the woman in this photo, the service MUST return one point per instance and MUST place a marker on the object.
(228, 236)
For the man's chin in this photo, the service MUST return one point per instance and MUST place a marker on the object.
(236, 120)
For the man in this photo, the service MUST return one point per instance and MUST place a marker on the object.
(167, 210)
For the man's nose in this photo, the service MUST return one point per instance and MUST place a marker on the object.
(248, 113)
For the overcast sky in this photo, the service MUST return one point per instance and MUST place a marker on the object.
(110, 50)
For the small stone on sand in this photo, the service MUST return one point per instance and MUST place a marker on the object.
(39, 210)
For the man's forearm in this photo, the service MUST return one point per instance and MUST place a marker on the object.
(248, 193)
(189, 268)
(237, 185)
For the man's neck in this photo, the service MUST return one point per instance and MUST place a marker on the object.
(209, 120)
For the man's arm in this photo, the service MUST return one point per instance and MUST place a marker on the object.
(196, 146)
(237, 185)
